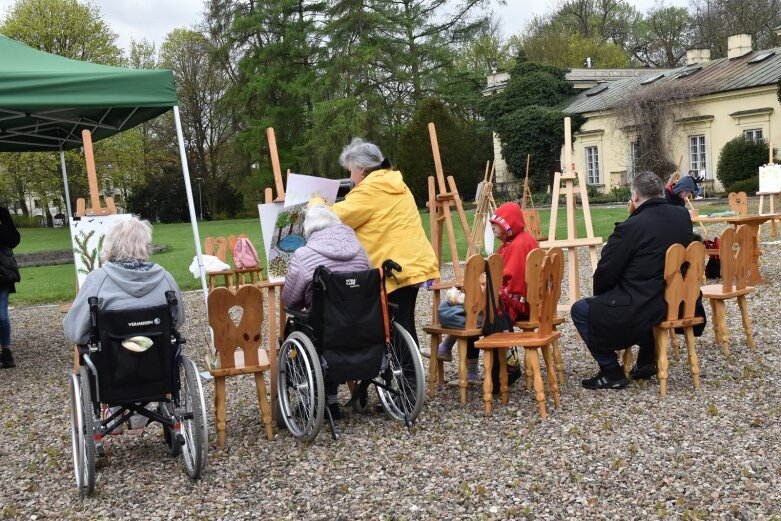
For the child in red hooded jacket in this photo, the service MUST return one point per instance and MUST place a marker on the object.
(509, 226)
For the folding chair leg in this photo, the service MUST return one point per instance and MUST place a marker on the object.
(539, 390)
(694, 366)
(743, 305)
(553, 385)
(488, 384)
(219, 409)
(660, 338)
(265, 410)
(675, 344)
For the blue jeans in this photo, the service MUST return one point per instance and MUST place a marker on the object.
(5, 322)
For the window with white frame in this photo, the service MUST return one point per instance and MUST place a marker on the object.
(697, 153)
(592, 166)
(753, 134)
(634, 160)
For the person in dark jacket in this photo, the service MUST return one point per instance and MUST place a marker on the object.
(331, 244)
(676, 194)
(629, 285)
(9, 275)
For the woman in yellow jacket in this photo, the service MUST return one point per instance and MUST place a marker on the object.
(381, 210)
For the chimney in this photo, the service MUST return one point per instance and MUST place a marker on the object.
(694, 56)
(738, 45)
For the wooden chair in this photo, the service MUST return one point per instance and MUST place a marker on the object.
(533, 264)
(474, 303)
(238, 348)
(549, 291)
(680, 293)
(738, 203)
(244, 275)
(218, 247)
(735, 251)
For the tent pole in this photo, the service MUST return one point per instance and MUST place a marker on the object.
(190, 202)
(65, 184)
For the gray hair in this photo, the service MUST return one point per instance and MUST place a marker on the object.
(317, 218)
(647, 185)
(127, 239)
(361, 154)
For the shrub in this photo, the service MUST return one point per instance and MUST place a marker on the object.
(740, 160)
(750, 186)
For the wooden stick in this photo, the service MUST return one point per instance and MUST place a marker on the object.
(272, 150)
(432, 133)
(525, 183)
(92, 176)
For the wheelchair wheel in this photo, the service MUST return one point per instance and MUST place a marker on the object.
(83, 432)
(404, 374)
(300, 391)
(193, 418)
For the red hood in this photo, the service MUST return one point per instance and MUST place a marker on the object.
(510, 217)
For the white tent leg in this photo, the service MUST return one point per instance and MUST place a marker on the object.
(190, 202)
(65, 184)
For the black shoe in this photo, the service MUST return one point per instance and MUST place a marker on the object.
(606, 380)
(6, 359)
(336, 413)
(644, 372)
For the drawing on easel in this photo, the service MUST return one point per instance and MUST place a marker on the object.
(282, 225)
(87, 236)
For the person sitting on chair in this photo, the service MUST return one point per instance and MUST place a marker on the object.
(331, 244)
(127, 279)
(676, 194)
(628, 296)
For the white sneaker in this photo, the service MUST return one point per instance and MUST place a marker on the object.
(698, 198)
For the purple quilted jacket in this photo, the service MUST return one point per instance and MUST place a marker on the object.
(335, 247)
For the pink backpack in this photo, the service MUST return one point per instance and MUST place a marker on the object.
(244, 254)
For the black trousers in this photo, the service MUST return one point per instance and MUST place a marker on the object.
(405, 299)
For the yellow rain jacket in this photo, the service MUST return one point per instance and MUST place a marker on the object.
(383, 214)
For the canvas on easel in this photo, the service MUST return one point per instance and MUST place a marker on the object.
(572, 241)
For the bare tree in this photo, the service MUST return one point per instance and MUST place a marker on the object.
(716, 20)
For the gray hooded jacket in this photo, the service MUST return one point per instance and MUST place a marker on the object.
(119, 288)
(336, 248)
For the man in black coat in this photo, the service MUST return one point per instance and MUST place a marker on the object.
(629, 285)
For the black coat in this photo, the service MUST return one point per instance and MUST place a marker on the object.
(9, 237)
(629, 279)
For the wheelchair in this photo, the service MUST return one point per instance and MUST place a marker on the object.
(348, 335)
(117, 371)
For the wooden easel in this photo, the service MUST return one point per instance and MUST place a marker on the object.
(485, 208)
(572, 242)
(532, 217)
(772, 196)
(92, 179)
(439, 209)
(275, 321)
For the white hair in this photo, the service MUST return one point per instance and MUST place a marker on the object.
(127, 239)
(361, 154)
(317, 218)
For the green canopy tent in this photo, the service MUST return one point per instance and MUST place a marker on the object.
(47, 100)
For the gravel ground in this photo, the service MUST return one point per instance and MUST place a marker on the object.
(624, 454)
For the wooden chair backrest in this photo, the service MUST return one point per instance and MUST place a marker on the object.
(474, 298)
(738, 203)
(495, 264)
(683, 289)
(533, 265)
(549, 290)
(233, 238)
(216, 246)
(227, 335)
(735, 250)
(532, 218)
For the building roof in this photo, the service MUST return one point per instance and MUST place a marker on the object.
(580, 78)
(754, 69)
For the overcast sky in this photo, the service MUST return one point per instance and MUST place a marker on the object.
(153, 19)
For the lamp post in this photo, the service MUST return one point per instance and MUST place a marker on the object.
(200, 196)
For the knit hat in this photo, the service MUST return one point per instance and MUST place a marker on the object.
(685, 183)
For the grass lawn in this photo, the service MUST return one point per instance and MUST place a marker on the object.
(57, 283)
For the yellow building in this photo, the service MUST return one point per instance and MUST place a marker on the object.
(730, 97)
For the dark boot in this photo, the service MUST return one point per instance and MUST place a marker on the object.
(6, 359)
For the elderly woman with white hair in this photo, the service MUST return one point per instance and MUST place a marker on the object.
(331, 244)
(127, 280)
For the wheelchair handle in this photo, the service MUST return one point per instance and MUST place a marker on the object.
(93, 316)
(388, 267)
